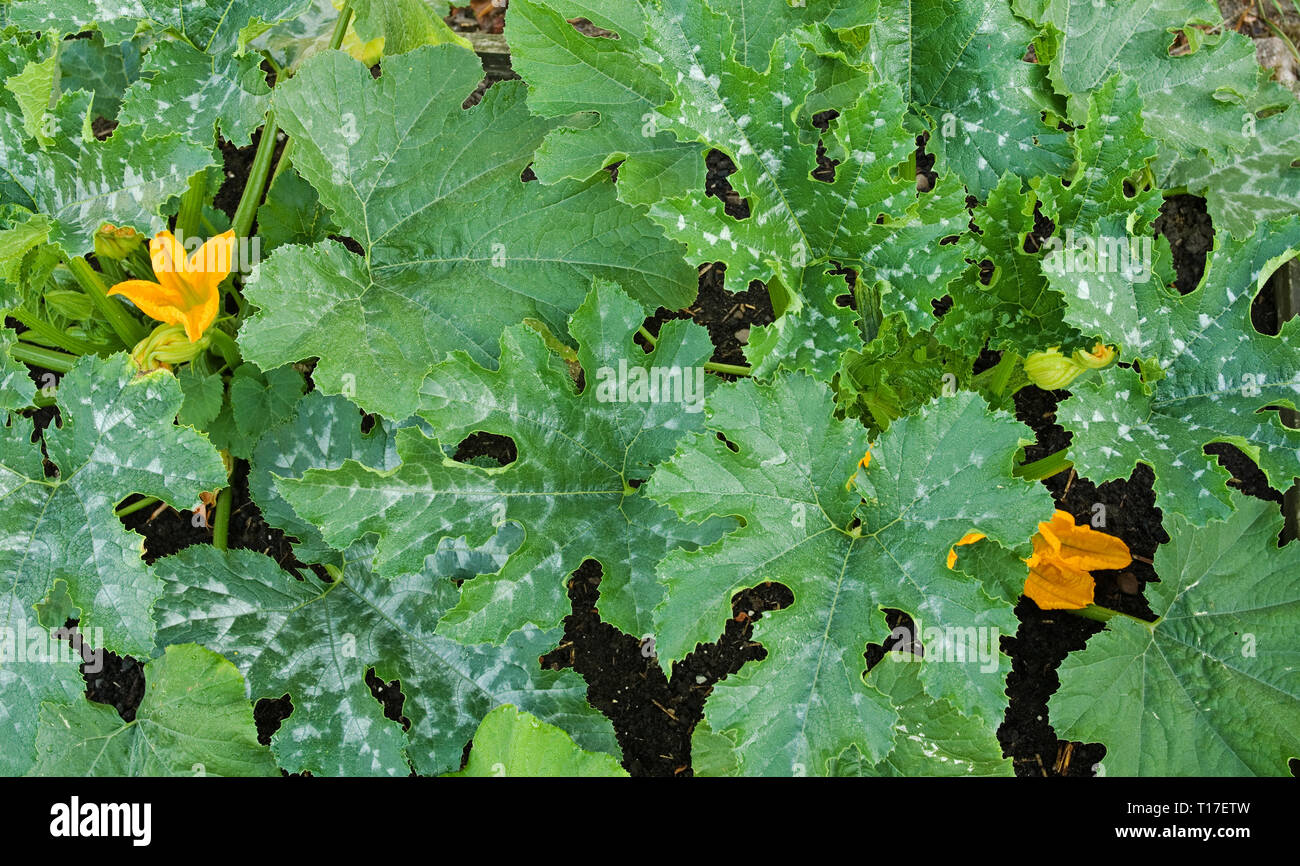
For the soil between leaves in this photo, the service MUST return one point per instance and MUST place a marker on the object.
(654, 714)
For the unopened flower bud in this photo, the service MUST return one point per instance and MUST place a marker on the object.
(117, 242)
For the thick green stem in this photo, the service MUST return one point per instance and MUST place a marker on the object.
(221, 522)
(59, 362)
(732, 369)
(1096, 612)
(191, 212)
(224, 345)
(649, 337)
(284, 161)
(711, 366)
(341, 25)
(47, 333)
(128, 329)
(1002, 372)
(1044, 468)
(144, 502)
(138, 262)
(258, 172)
(112, 269)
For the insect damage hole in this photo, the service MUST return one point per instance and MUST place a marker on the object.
(390, 696)
(490, 450)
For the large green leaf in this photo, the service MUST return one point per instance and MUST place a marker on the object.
(28, 679)
(315, 641)
(404, 25)
(117, 437)
(1212, 687)
(16, 387)
(322, 433)
(1100, 243)
(184, 89)
(571, 488)
(117, 20)
(194, 720)
(434, 199)
(961, 66)
(1210, 377)
(221, 26)
(81, 182)
(569, 72)
(932, 740)
(105, 69)
(846, 552)
(1260, 183)
(1199, 102)
(513, 743)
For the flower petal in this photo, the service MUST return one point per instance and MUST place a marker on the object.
(156, 301)
(168, 258)
(215, 259)
(1083, 547)
(1053, 585)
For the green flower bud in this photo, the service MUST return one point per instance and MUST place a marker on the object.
(1051, 370)
(167, 345)
(117, 242)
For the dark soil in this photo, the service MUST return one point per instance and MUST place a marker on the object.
(1185, 222)
(237, 161)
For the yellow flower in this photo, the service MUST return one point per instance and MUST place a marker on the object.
(1100, 356)
(1065, 555)
(186, 292)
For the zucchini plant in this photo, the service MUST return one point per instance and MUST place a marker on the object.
(289, 262)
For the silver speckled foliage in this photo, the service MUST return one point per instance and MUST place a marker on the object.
(473, 344)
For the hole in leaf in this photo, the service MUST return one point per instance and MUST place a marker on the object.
(950, 239)
(269, 714)
(902, 639)
(825, 170)
(986, 272)
(1185, 222)
(586, 28)
(724, 440)
(1246, 478)
(486, 449)
(350, 245)
(844, 300)
(527, 175)
(390, 696)
(926, 176)
(1264, 314)
(719, 167)
(940, 306)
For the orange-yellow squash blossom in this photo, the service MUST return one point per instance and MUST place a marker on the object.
(186, 292)
(1065, 555)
